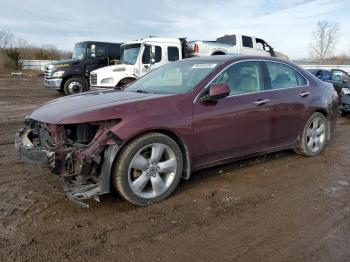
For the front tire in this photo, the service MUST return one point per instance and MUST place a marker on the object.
(314, 137)
(148, 169)
(75, 85)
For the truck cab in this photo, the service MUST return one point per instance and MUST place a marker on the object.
(72, 76)
(137, 59)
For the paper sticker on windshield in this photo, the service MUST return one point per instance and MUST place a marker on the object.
(204, 66)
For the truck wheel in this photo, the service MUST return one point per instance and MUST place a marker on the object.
(75, 85)
(314, 137)
(148, 169)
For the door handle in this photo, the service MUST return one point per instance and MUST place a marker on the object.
(261, 102)
(304, 94)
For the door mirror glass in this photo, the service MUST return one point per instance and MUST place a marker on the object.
(153, 55)
(216, 92)
(93, 51)
(153, 51)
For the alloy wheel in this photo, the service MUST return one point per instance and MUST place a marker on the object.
(152, 170)
(316, 135)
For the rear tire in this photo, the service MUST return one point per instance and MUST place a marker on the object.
(314, 137)
(148, 169)
(75, 85)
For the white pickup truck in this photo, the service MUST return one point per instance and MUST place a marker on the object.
(141, 56)
(233, 44)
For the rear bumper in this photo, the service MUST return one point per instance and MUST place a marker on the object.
(30, 153)
(54, 83)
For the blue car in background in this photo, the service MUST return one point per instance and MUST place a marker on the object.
(341, 82)
(321, 73)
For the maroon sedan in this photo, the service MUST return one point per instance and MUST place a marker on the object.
(182, 117)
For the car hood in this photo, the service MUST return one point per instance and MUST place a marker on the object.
(87, 107)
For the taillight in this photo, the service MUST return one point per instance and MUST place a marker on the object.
(196, 48)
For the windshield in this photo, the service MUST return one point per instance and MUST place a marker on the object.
(174, 78)
(78, 51)
(129, 54)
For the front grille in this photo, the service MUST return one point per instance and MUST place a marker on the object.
(93, 79)
(47, 72)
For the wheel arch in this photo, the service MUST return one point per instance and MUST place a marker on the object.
(126, 80)
(67, 77)
(326, 114)
(111, 153)
(218, 53)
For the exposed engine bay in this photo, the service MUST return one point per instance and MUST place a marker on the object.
(74, 152)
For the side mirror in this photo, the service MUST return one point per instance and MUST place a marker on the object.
(153, 51)
(153, 55)
(93, 50)
(216, 92)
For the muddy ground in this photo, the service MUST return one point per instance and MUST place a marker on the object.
(279, 207)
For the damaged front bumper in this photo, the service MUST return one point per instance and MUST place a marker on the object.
(30, 153)
(84, 170)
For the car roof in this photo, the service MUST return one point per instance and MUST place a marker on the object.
(234, 58)
(317, 69)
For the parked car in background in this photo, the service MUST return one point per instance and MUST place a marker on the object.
(72, 76)
(341, 82)
(185, 116)
(233, 44)
(137, 59)
(320, 73)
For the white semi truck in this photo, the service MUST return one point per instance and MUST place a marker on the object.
(141, 56)
(137, 59)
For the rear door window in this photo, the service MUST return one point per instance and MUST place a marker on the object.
(284, 76)
(227, 40)
(247, 41)
(173, 53)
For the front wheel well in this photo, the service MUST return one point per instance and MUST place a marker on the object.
(64, 80)
(184, 150)
(327, 115)
(125, 81)
(218, 53)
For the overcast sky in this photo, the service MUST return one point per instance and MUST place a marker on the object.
(287, 25)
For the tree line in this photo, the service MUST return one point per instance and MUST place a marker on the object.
(13, 50)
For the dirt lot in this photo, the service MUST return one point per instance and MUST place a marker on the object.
(280, 207)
